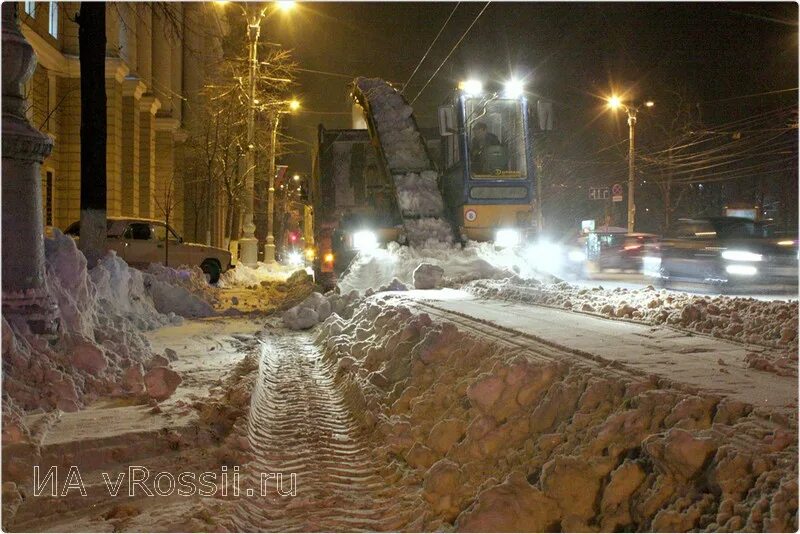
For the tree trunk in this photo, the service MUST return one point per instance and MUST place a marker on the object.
(92, 50)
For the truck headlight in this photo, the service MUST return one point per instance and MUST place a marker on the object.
(364, 240)
(507, 237)
(740, 255)
(545, 256)
(576, 256)
(295, 258)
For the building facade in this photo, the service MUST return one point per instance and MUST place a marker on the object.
(155, 58)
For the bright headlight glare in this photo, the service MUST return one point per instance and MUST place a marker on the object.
(651, 266)
(295, 258)
(746, 270)
(576, 255)
(740, 255)
(507, 237)
(513, 88)
(471, 87)
(365, 240)
(545, 257)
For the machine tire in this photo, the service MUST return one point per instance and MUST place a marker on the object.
(212, 269)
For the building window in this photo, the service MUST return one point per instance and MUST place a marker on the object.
(54, 19)
(48, 199)
(30, 8)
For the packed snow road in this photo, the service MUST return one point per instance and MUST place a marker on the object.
(702, 363)
(300, 425)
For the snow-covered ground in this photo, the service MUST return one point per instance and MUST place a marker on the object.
(499, 437)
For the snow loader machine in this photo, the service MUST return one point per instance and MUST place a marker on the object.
(378, 182)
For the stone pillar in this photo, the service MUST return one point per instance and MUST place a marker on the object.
(24, 148)
(165, 184)
(132, 89)
(148, 106)
(115, 75)
(144, 48)
(127, 34)
(162, 63)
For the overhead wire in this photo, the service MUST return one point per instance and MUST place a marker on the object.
(450, 53)
(430, 47)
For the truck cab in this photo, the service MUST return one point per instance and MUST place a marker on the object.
(487, 164)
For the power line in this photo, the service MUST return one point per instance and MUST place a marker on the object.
(430, 47)
(750, 96)
(450, 53)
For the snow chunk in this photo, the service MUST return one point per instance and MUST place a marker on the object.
(427, 276)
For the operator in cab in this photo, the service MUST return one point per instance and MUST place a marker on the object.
(481, 138)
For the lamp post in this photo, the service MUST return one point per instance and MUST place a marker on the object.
(269, 248)
(248, 244)
(615, 103)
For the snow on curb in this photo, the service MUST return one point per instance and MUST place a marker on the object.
(100, 349)
(505, 440)
(745, 320)
(244, 276)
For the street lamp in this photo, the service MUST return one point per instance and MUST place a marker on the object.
(248, 244)
(615, 103)
(269, 248)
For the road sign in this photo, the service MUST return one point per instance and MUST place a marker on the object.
(616, 193)
(599, 193)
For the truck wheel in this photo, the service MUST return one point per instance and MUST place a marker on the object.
(212, 270)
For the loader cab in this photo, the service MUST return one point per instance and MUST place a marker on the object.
(487, 165)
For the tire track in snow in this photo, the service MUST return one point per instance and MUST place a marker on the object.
(300, 423)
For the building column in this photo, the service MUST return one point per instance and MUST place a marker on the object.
(132, 89)
(116, 71)
(148, 106)
(164, 194)
(25, 294)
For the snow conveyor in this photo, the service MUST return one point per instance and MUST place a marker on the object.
(394, 132)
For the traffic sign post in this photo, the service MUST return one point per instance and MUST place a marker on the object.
(616, 193)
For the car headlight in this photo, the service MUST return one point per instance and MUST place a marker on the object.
(746, 270)
(740, 255)
(365, 240)
(576, 256)
(507, 237)
(295, 258)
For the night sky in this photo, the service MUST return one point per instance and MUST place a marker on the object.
(571, 53)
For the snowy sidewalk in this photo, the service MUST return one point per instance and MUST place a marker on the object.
(711, 365)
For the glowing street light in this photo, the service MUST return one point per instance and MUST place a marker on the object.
(615, 103)
(285, 6)
(294, 105)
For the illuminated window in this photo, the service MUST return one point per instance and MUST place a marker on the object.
(30, 8)
(53, 27)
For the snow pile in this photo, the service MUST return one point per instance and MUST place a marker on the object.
(427, 276)
(499, 439)
(460, 264)
(317, 307)
(244, 276)
(416, 183)
(418, 194)
(746, 320)
(102, 312)
(183, 291)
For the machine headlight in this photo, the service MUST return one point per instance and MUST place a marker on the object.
(651, 266)
(740, 255)
(513, 88)
(364, 240)
(545, 256)
(576, 256)
(746, 270)
(328, 258)
(295, 258)
(507, 237)
(471, 87)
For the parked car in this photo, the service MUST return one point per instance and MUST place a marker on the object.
(141, 242)
(724, 251)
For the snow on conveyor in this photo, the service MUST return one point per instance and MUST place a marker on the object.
(415, 179)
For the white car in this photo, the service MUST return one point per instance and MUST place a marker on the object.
(141, 242)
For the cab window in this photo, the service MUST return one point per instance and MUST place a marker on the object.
(496, 138)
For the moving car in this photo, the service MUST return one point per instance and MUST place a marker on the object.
(141, 242)
(724, 251)
(622, 251)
